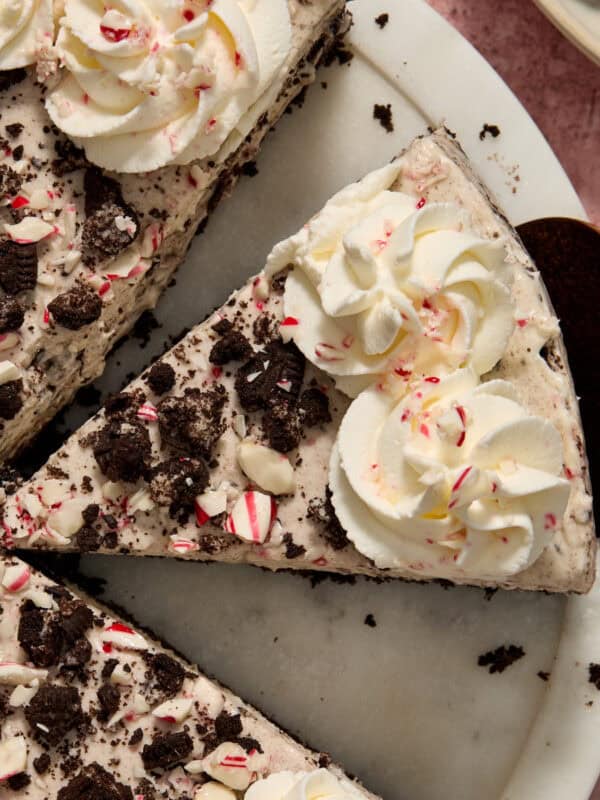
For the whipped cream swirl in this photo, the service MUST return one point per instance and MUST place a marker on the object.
(318, 785)
(455, 479)
(26, 28)
(386, 283)
(149, 83)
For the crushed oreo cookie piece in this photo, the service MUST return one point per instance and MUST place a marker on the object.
(109, 698)
(501, 658)
(19, 781)
(271, 377)
(42, 763)
(88, 539)
(18, 267)
(12, 314)
(323, 513)
(292, 550)
(136, 737)
(124, 405)
(53, 712)
(94, 783)
(382, 20)
(161, 378)
(11, 399)
(166, 750)
(166, 674)
(123, 451)
(383, 115)
(313, 407)
(223, 326)
(370, 621)
(594, 674)
(11, 77)
(70, 158)
(39, 635)
(14, 130)
(177, 482)
(78, 307)
(228, 726)
(10, 181)
(102, 236)
(232, 346)
(191, 424)
(282, 428)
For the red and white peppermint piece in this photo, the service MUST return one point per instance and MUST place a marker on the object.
(252, 516)
(16, 577)
(123, 637)
(287, 328)
(210, 504)
(148, 412)
(175, 710)
(13, 674)
(13, 757)
(153, 238)
(229, 764)
(29, 230)
(181, 545)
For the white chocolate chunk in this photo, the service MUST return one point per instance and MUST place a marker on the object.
(266, 467)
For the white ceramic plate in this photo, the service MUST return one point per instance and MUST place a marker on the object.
(403, 704)
(578, 20)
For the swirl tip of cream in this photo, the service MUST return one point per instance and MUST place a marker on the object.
(26, 32)
(145, 84)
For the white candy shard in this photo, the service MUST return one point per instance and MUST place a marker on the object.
(40, 599)
(194, 767)
(175, 710)
(68, 518)
(210, 699)
(252, 517)
(229, 764)
(239, 425)
(8, 372)
(140, 501)
(51, 492)
(13, 674)
(123, 637)
(29, 230)
(32, 505)
(209, 504)
(120, 676)
(16, 578)
(22, 695)
(266, 467)
(140, 706)
(13, 757)
(214, 791)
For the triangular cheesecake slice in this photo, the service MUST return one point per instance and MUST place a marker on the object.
(390, 397)
(119, 135)
(92, 708)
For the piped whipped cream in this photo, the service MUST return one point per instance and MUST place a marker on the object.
(318, 785)
(148, 83)
(26, 28)
(456, 478)
(386, 283)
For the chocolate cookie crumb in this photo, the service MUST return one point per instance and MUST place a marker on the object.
(544, 676)
(323, 513)
(11, 77)
(233, 346)
(594, 675)
(53, 712)
(382, 20)
(123, 450)
(39, 635)
(14, 130)
(228, 726)
(493, 130)
(166, 750)
(12, 314)
(191, 424)
(10, 181)
(70, 158)
(501, 658)
(18, 267)
(281, 426)
(271, 377)
(177, 482)
(88, 539)
(78, 307)
(314, 407)
(11, 400)
(292, 550)
(19, 781)
(102, 236)
(370, 621)
(161, 378)
(109, 698)
(167, 674)
(94, 783)
(41, 763)
(383, 115)
(136, 737)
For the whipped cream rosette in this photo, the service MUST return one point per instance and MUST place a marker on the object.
(318, 785)
(456, 478)
(385, 283)
(148, 83)
(26, 28)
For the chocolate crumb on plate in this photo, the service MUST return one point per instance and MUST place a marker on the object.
(501, 658)
(382, 20)
(544, 676)
(370, 621)
(594, 674)
(493, 130)
(383, 115)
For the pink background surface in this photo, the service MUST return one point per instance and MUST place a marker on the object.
(556, 83)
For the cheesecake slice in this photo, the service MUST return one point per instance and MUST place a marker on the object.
(118, 136)
(389, 397)
(92, 707)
